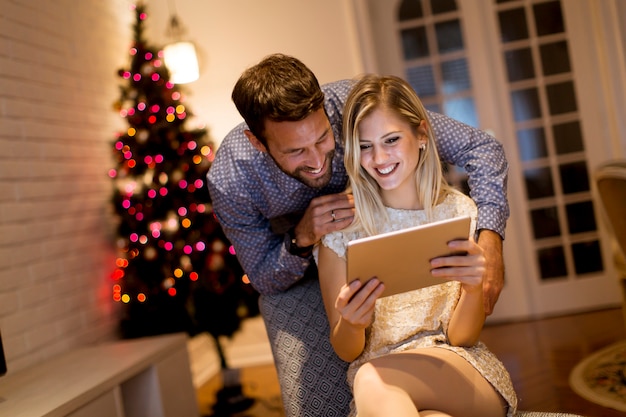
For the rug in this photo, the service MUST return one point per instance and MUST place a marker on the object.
(601, 377)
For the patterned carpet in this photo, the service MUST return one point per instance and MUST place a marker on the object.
(601, 377)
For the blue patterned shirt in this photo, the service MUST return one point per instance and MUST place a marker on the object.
(256, 203)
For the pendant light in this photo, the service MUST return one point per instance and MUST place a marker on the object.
(180, 56)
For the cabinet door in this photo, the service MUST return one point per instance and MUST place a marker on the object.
(526, 71)
(108, 404)
(175, 384)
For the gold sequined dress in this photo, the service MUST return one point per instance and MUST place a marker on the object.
(420, 318)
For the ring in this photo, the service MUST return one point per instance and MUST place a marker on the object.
(332, 214)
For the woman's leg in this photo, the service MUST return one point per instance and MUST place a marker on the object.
(375, 397)
(434, 380)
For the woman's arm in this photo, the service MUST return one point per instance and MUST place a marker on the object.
(468, 317)
(350, 308)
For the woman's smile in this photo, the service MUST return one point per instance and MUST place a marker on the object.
(386, 170)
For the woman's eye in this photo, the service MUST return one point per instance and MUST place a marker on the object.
(393, 139)
(364, 147)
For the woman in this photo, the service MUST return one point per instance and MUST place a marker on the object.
(416, 353)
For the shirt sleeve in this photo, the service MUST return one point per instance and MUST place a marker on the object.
(483, 158)
(260, 251)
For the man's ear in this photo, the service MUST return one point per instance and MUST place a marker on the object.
(255, 141)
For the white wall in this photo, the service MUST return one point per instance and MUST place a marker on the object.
(57, 86)
(234, 35)
(58, 82)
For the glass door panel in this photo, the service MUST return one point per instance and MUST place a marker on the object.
(534, 46)
(435, 59)
(518, 55)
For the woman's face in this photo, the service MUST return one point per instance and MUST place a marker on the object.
(389, 153)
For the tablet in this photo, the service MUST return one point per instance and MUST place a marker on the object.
(401, 259)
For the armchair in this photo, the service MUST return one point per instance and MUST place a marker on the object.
(610, 178)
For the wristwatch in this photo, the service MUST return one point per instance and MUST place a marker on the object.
(292, 246)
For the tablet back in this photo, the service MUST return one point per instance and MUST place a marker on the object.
(401, 259)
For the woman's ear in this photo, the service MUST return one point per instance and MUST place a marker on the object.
(423, 127)
(422, 134)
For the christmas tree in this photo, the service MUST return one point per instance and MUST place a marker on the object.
(175, 271)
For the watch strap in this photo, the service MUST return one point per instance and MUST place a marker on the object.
(292, 246)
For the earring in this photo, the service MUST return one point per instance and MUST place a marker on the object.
(423, 146)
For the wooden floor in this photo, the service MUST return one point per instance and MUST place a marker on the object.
(539, 355)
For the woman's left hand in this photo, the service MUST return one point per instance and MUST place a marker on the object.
(467, 269)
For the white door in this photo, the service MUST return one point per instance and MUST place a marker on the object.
(527, 71)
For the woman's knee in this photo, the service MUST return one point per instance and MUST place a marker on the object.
(367, 376)
(374, 396)
(369, 386)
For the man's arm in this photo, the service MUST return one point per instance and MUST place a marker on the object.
(493, 280)
(261, 252)
(264, 253)
(483, 158)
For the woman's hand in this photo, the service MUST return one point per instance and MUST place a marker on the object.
(468, 269)
(355, 302)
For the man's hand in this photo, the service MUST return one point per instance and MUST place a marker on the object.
(493, 281)
(325, 214)
(468, 269)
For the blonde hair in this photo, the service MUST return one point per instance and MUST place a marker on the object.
(372, 92)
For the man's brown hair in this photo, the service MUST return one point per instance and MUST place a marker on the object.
(279, 88)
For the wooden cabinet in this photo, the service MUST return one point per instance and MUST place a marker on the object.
(148, 377)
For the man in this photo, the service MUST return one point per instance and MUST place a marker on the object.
(277, 185)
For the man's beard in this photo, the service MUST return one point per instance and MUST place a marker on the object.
(320, 182)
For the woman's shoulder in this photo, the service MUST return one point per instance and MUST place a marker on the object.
(457, 199)
(341, 238)
(337, 242)
(457, 204)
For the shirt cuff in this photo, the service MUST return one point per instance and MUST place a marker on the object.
(491, 218)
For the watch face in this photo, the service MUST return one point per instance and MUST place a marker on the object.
(294, 249)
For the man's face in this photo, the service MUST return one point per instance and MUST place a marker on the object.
(304, 149)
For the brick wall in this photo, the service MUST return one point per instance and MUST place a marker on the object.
(58, 82)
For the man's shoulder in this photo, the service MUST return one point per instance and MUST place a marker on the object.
(335, 95)
(337, 91)
(339, 87)
(235, 145)
(234, 153)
